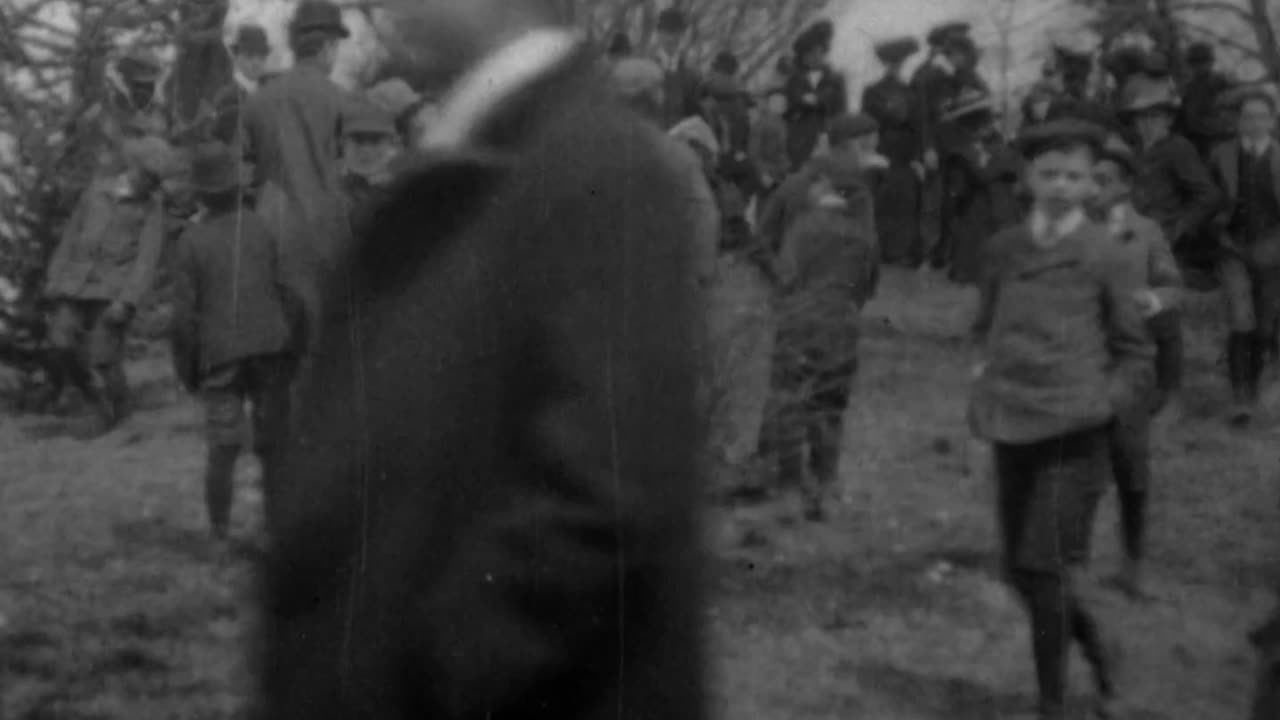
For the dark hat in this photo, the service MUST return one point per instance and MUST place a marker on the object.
(970, 101)
(1155, 64)
(895, 50)
(672, 20)
(619, 45)
(939, 35)
(319, 16)
(725, 62)
(959, 43)
(1145, 93)
(1200, 53)
(848, 127)
(1125, 61)
(819, 35)
(214, 168)
(367, 119)
(843, 169)
(140, 65)
(1118, 151)
(251, 40)
(1054, 134)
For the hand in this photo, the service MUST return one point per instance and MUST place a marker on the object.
(931, 159)
(1148, 302)
(118, 312)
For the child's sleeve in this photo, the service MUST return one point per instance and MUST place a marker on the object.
(1132, 352)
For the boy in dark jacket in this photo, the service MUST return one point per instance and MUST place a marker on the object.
(233, 332)
(1156, 274)
(827, 271)
(1065, 352)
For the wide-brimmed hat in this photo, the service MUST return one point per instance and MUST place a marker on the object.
(1147, 94)
(970, 101)
(672, 20)
(849, 127)
(251, 40)
(366, 118)
(939, 34)
(1039, 138)
(214, 169)
(896, 50)
(318, 16)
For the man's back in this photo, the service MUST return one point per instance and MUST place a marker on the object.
(492, 508)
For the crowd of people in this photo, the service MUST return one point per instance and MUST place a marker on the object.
(1077, 231)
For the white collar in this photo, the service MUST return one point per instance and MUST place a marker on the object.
(245, 83)
(1062, 227)
(482, 88)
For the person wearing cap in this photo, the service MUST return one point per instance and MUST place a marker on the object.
(1248, 172)
(1064, 351)
(892, 103)
(1172, 186)
(1202, 119)
(979, 174)
(234, 331)
(815, 92)
(249, 52)
(681, 86)
(103, 267)
(1158, 280)
(518, 326)
(294, 130)
(827, 268)
(137, 77)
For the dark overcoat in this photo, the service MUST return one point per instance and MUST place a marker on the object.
(489, 511)
(893, 104)
(810, 107)
(981, 179)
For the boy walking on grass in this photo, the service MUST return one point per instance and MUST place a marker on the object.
(1065, 353)
(1141, 242)
(234, 330)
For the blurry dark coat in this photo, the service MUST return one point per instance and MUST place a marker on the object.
(981, 181)
(294, 126)
(110, 247)
(768, 146)
(1203, 120)
(893, 105)
(681, 88)
(230, 300)
(491, 506)
(811, 105)
(1173, 187)
(1264, 249)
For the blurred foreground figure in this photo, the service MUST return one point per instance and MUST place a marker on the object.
(490, 508)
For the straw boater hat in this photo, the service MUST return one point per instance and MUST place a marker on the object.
(970, 101)
(896, 50)
(319, 16)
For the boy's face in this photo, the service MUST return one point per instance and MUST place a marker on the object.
(1257, 118)
(368, 155)
(251, 65)
(1061, 180)
(1111, 182)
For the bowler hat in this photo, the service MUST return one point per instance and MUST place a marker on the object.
(970, 101)
(1118, 151)
(895, 50)
(939, 35)
(319, 16)
(1046, 136)
(1145, 94)
(848, 127)
(672, 20)
(1200, 53)
(213, 168)
(367, 119)
(251, 40)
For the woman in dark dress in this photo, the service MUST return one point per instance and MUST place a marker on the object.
(815, 93)
(892, 102)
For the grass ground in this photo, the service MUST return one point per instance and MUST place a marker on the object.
(112, 606)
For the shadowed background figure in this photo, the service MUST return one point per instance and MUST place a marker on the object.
(490, 508)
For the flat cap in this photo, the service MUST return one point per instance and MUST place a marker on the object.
(941, 33)
(895, 50)
(848, 127)
(1048, 136)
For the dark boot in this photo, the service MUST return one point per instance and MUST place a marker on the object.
(219, 487)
